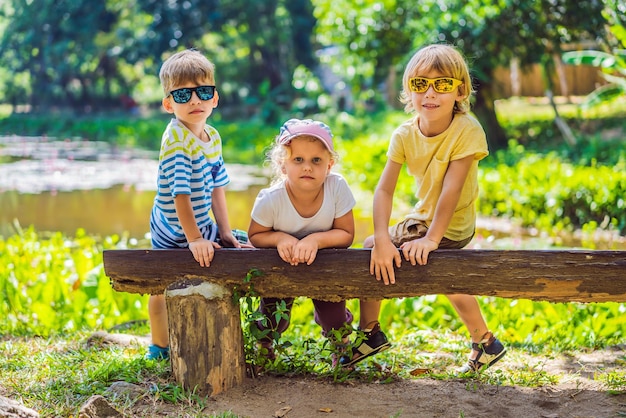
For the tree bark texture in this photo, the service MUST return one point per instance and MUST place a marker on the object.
(206, 341)
(337, 274)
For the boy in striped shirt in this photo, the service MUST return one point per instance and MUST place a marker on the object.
(191, 179)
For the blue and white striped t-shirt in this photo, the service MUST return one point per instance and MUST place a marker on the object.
(190, 166)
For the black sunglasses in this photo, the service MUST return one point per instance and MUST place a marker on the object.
(184, 95)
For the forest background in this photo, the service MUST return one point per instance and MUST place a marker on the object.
(88, 70)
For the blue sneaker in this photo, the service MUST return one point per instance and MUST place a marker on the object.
(157, 353)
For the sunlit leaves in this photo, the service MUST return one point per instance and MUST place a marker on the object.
(53, 285)
(543, 191)
(594, 58)
(613, 67)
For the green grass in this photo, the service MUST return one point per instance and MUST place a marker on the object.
(524, 109)
(55, 376)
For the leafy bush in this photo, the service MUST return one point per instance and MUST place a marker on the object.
(548, 193)
(57, 284)
(123, 130)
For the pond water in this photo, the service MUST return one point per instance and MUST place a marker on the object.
(65, 185)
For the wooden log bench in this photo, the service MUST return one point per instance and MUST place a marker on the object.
(204, 319)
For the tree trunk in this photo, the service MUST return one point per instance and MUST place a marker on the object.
(485, 111)
(206, 342)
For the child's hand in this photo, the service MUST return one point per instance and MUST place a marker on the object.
(384, 256)
(286, 248)
(417, 251)
(229, 241)
(203, 251)
(304, 251)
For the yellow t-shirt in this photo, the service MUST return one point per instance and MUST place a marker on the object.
(427, 160)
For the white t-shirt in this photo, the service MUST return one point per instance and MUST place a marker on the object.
(273, 208)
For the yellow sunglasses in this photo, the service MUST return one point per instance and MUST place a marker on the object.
(441, 84)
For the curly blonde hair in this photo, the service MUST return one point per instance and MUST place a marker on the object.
(279, 153)
(444, 59)
(188, 66)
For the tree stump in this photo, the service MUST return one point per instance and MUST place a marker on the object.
(206, 341)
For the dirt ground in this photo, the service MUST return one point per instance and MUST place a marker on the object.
(576, 395)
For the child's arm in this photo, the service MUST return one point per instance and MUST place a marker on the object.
(220, 212)
(385, 254)
(417, 251)
(201, 248)
(340, 236)
(293, 250)
(265, 237)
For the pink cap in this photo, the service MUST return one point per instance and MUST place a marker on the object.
(296, 127)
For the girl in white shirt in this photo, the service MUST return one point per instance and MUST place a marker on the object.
(307, 208)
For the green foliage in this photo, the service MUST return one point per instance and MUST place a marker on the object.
(57, 284)
(613, 68)
(616, 381)
(548, 193)
(244, 141)
(373, 38)
(286, 360)
(60, 46)
(71, 54)
(519, 322)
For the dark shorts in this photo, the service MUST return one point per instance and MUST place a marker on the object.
(411, 229)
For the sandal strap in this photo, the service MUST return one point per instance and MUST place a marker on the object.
(487, 339)
(481, 350)
(371, 328)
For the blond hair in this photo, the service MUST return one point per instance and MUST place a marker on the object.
(188, 66)
(279, 153)
(444, 59)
